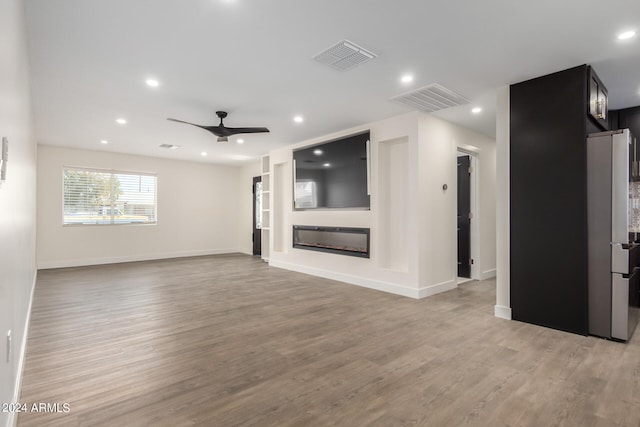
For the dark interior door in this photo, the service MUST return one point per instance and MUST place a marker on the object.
(464, 216)
(257, 215)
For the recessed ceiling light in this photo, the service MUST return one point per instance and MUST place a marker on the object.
(152, 83)
(121, 121)
(407, 78)
(326, 165)
(204, 153)
(240, 141)
(317, 152)
(626, 35)
(298, 119)
(104, 141)
(476, 110)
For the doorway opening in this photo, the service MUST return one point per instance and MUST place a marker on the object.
(466, 216)
(257, 215)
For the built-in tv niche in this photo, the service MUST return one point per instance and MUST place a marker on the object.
(333, 174)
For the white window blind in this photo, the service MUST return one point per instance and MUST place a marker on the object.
(93, 196)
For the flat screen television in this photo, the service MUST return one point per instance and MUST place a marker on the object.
(333, 175)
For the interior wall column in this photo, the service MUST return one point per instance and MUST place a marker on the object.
(502, 308)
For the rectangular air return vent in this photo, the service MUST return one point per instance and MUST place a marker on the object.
(431, 98)
(344, 56)
(169, 146)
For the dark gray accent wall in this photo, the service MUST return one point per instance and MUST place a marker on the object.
(548, 132)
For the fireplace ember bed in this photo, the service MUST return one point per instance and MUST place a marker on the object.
(337, 240)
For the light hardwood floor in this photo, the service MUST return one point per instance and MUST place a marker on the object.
(228, 341)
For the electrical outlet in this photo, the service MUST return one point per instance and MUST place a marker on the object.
(9, 346)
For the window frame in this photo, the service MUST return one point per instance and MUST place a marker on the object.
(113, 206)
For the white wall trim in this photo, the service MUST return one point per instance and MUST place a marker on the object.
(437, 288)
(43, 265)
(502, 312)
(13, 419)
(346, 278)
(488, 274)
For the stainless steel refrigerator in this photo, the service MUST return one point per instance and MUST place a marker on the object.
(613, 217)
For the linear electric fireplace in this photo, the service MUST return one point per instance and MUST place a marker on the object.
(335, 240)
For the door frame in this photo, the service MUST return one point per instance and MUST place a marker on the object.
(474, 230)
(256, 233)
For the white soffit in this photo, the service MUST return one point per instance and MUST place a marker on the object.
(433, 97)
(344, 56)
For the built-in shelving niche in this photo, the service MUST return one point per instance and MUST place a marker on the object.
(266, 208)
(393, 191)
(281, 203)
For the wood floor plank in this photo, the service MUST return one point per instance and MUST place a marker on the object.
(226, 340)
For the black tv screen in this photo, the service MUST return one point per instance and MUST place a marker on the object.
(333, 175)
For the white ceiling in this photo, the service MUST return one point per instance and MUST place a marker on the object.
(253, 58)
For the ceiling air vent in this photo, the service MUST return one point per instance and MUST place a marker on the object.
(431, 98)
(344, 56)
(169, 146)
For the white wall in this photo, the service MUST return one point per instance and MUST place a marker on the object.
(17, 199)
(198, 205)
(424, 259)
(439, 142)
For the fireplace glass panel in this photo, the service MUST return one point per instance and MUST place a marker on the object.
(340, 240)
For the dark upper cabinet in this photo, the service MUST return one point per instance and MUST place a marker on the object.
(598, 102)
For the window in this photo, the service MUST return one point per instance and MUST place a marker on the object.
(93, 196)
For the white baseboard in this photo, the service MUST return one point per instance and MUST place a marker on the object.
(13, 418)
(392, 288)
(488, 274)
(43, 265)
(437, 288)
(502, 312)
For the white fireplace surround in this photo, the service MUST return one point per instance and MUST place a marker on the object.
(412, 220)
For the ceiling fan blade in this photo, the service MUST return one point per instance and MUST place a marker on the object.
(216, 130)
(235, 131)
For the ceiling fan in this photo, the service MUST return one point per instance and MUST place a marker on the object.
(221, 131)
